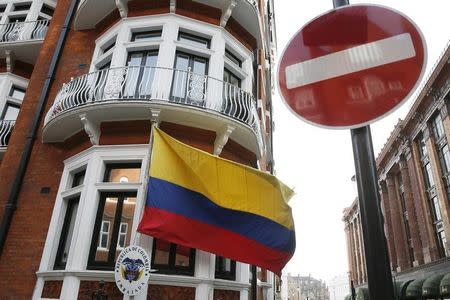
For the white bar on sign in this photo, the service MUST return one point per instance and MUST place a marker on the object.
(351, 60)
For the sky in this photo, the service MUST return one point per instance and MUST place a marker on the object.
(318, 163)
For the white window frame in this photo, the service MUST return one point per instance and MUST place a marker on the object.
(102, 232)
(93, 160)
(7, 81)
(124, 234)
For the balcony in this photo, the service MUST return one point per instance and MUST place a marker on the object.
(130, 93)
(6, 128)
(245, 12)
(23, 38)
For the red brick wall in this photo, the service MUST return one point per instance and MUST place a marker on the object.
(52, 289)
(23, 248)
(88, 287)
(226, 295)
(198, 11)
(167, 292)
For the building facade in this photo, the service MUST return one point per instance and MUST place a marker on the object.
(306, 288)
(81, 83)
(414, 179)
(338, 287)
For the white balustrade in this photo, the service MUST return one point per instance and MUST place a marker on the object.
(158, 84)
(23, 31)
(6, 128)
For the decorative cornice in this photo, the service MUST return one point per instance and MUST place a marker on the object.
(92, 129)
(226, 12)
(122, 6)
(10, 60)
(222, 138)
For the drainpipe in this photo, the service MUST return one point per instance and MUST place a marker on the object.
(11, 204)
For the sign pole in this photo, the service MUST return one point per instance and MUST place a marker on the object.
(375, 246)
(379, 275)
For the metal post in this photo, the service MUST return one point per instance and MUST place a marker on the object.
(254, 283)
(375, 245)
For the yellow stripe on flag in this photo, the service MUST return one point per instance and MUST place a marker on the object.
(226, 183)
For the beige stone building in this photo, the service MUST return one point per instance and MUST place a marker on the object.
(414, 182)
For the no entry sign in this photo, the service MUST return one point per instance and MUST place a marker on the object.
(351, 66)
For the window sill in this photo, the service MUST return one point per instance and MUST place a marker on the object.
(162, 279)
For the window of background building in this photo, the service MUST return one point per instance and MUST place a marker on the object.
(122, 235)
(170, 258)
(104, 235)
(438, 127)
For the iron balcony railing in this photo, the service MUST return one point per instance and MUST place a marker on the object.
(23, 31)
(137, 83)
(6, 128)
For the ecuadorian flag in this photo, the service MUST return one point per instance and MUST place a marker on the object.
(201, 201)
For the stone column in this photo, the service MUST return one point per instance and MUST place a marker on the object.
(349, 247)
(412, 218)
(397, 225)
(362, 254)
(388, 225)
(355, 251)
(440, 188)
(354, 269)
(421, 203)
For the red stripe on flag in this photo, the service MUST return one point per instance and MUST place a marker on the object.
(187, 232)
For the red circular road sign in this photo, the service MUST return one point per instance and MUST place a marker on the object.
(351, 66)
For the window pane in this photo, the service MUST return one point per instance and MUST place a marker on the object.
(148, 74)
(438, 127)
(437, 209)
(107, 224)
(22, 6)
(446, 155)
(429, 175)
(126, 222)
(47, 10)
(17, 19)
(232, 57)
(180, 77)
(117, 172)
(162, 251)
(182, 256)
(17, 93)
(193, 40)
(146, 35)
(78, 178)
(11, 112)
(66, 234)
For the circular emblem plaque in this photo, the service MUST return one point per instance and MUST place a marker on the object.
(132, 270)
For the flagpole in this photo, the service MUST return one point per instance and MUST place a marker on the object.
(154, 121)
